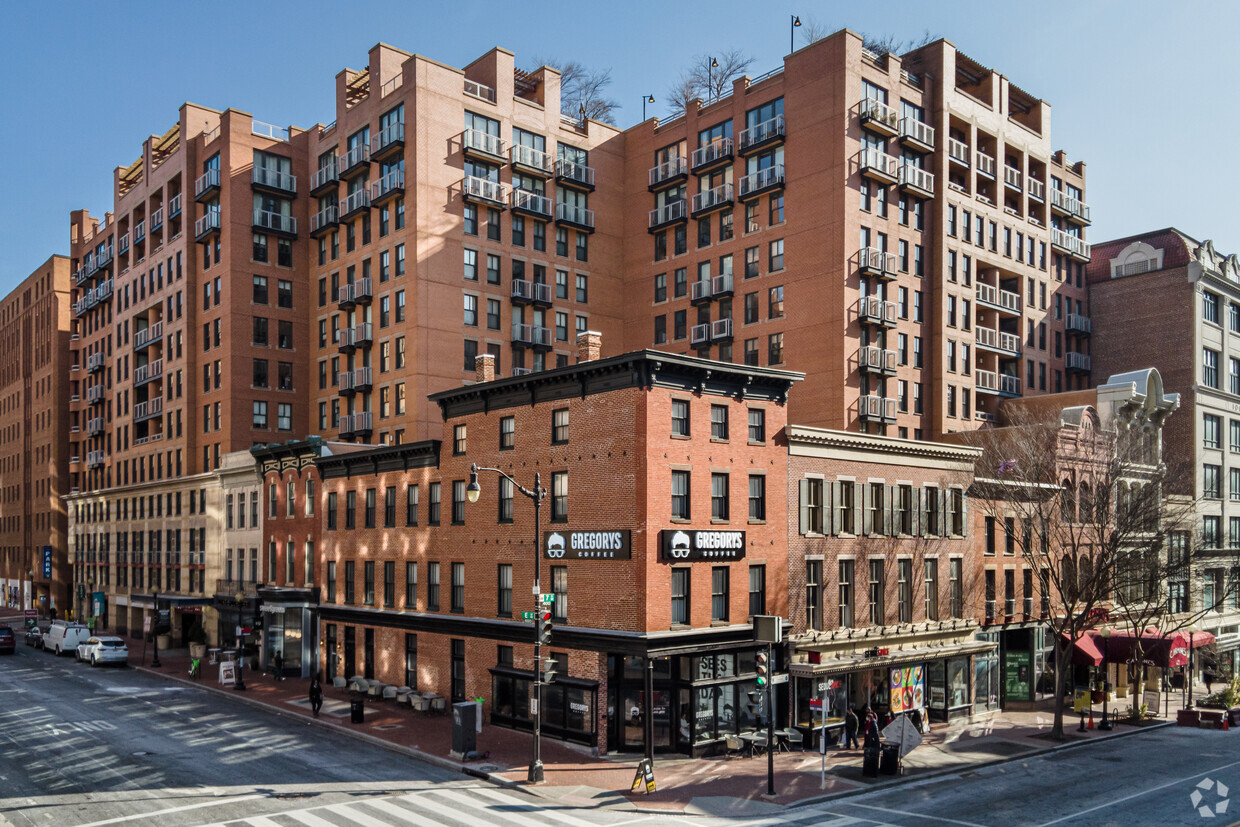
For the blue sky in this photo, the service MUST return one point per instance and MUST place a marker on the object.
(1139, 90)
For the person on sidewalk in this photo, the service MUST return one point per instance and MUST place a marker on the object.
(851, 725)
(279, 666)
(316, 696)
(872, 735)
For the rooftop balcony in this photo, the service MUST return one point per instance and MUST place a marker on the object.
(530, 203)
(874, 262)
(207, 185)
(1076, 362)
(879, 118)
(484, 147)
(324, 220)
(482, 191)
(715, 198)
(1004, 301)
(388, 187)
(572, 174)
(530, 292)
(1079, 324)
(712, 154)
(872, 408)
(531, 336)
(764, 180)
(274, 222)
(670, 213)
(570, 215)
(916, 180)
(878, 166)
(530, 160)
(274, 181)
(873, 310)
(1070, 244)
(388, 142)
(668, 173)
(916, 135)
(325, 177)
(147, 335)
(873, 359)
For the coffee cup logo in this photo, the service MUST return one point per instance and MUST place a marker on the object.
(555, 546)
(680, 545)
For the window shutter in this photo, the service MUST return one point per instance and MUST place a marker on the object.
(866, 498)
(889, 524)
(824, 509)
(915, 500)
(944, 528)
(964, 512)
(837, 516)
(803, 489)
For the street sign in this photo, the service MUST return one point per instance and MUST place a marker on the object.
(546, 598)
(47, 562)
(146, 625)
(529, 615)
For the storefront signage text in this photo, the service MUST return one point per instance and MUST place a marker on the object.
(688, 546)
(587, 545)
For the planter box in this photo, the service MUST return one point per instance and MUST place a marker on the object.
(1187, 717)
(1211, 719)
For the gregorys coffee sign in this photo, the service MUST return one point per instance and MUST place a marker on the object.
(587, 545)
(687, 546)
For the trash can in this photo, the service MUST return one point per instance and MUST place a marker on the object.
(869, 762)
(357, 710)
(890, 764)
(464, 723)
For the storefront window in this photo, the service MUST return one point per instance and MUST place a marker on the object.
(958, 682)
(292, 638)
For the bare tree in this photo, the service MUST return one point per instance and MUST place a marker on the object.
(707, 77)
(812, 31)
(582, 90)
(881, 44)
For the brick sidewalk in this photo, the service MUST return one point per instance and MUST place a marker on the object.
(715, 786)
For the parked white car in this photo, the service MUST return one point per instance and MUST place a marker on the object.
(64, 636)
(103, 649)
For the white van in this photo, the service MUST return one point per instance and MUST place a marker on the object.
(65, 636)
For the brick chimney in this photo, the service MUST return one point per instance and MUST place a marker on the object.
(484, 367)
(589, 346)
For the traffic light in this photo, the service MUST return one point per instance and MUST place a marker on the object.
(548, 670)
(762, 668)
(544, 625)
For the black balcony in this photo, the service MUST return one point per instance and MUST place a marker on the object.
(388, 142)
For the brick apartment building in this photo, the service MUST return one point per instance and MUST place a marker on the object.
(1185, 298)
(35, 372)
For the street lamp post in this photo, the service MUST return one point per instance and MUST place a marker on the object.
(472, 491)
(645, 100)
(239, 683)
(1105, 726)
(792, 37)
(710, 77)
(155, 664)
(1188, 675)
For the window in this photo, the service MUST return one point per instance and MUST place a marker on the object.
(432, 586)
(932, 589)
(260, 414)
(389, 582)
(776, 255)
(260, 290)
(1210, 427)
(411, 585)
(955, 573)
(719, 594)
(680, 597)
(757, 497)
(331, 511)
(904, 590)
(1209, 368)
(718, 422)
(680, 417)
(583, 291)
(505, 500)
(680, 495)
(458, 440)
(775, 348)
(350, 579)
(389, 507)
(1209, 306)
(411, 505)
(458, 502)
(757, 590)
(559, 426)
(260, 373)
(846, 507)
(559, 496)
(331, 582)
(719, 496)
(775, 302)
(846, 593)
(1210, 475)
(432, 508)
(458, 587)
(370, 508)
(504, 590)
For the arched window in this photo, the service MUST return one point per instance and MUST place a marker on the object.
(1087, 503)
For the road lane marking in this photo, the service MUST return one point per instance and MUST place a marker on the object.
(914, 814)
(213, 803)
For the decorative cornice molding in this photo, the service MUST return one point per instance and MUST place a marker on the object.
(806, 435)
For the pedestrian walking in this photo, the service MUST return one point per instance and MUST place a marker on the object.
(872, 736)
(851, 725)
(316, 696)
(278, 660)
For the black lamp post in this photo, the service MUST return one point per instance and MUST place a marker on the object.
(792, 42)
(239, 683)
(1105, 726)
(472, 491)
(155, 664)
(710, 77)
(645, 100)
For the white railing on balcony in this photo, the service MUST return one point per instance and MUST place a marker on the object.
(573, 171)
(713, 197)
(572, 214)
(875, 407)
(995, 297)
(359, 154)
(362, 333)
(1065, 241)
(772, 176)
(104, 291)
(958, 151)
(762, 132)
(531, 158)
(393, 133)
(174, 205)
(1009, 384)
(344, 381)
(668, 170)
(479, 141)
(479, 90)
(204, 182)
(699, 334)
(1076, 361)
(325, 174)
(875, 260)
(1069, 204)
(987, 380)
(270, 131)
(362, 289)
(876, 111)
(915, 130)
(356, 200)
(145, 410)
(323, 218)
(1009, 342)
(531, 290)
(1078, 323)
(95, 426)
(916, 177)
(721, 329)
(94, 394)
(157, 218)
(393, 181)
(985, 163)
(209, 222)
(713, 151)
(122, 244)
(531, 335)
(274, 178)
(699, 290)
(94, 361)
(872, 357)
(872, 308)
(1012, 177)
(361, 376)
(94, 459)
(139, 231)
(277, 222)
(721, 284)
(147, 372)
(148, 334)
(103, 257)
(1035, 188)
(482, 188)
(873, 160)
(530, 201)
(672, 211)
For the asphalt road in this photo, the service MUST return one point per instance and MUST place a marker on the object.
(82, 747)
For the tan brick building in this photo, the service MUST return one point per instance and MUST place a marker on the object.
(35, 373)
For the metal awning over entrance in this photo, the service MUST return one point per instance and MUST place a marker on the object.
(853, 662)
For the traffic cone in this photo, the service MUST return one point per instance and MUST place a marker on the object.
(1091, 718)
(1225, 726)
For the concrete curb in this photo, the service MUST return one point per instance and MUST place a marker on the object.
(957, 770)
(409, 752)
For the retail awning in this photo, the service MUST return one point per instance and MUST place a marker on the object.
(1086, 651)
(1165, 649)
(839, 665)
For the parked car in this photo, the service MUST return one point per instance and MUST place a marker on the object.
(64, 636)
(34, 637)
(103, 649)
(8, 641)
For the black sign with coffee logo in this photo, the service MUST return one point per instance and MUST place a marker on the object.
(678, 546)
(587, 545)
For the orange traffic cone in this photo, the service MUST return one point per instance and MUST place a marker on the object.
(1091, 718)
(1225, 725)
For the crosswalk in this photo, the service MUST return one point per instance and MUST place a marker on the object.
(486, 805)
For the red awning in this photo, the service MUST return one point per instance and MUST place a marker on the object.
(1163, 649)
(1085, 651)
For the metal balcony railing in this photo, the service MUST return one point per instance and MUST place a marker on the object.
(699, 334)
(916, 178)
(877, 115)
(530, 202)
(1079, 323)
(876, 408)
(391, 134)
(761, 133)
(985, 164)
(147, 335)
(531, 335)
(208, 223)
(1069, 205)
(720, 329)
(146, 410)
(672, 211)
(274, 178)
(531, 291)
(324, 175)
(356, 156)
(274, 221)
(754, 182)
(1035, 188)
(714, 151)
(873, 261)
(148, 372)
(208, 180)
(713, 197)
(393, 182)
(668, 170)
(530, 158)
(478, 141)
(917, 132)
(575, 173)
(323, 218)
(958, 151)
(1076, 361)
(875, 162)
(572, 214)
(1069, 243)
(481, 188)
(174, 206)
